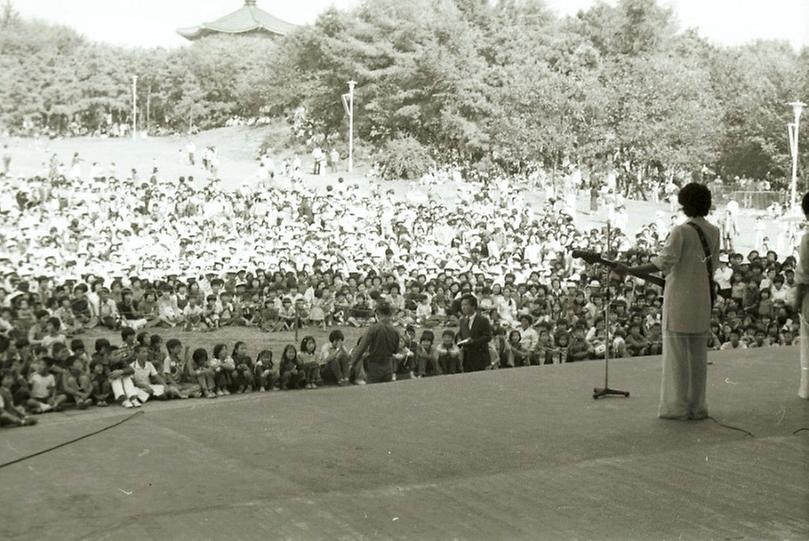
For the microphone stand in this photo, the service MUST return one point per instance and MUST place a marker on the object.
(606, 391)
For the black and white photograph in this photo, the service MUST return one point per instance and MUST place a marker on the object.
(404, 269)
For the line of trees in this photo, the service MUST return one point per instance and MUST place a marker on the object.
(501, 84)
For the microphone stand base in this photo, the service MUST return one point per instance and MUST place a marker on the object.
(606, 391)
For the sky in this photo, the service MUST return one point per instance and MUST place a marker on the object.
(149, 23)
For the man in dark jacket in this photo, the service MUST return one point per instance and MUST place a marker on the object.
(382, 344)
(476, 332)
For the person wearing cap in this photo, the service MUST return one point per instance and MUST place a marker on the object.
(686, 306)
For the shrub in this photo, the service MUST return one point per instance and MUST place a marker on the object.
(405, 157)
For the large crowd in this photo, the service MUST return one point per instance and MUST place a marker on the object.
(83, 252)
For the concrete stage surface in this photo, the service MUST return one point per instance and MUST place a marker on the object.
(512, 454)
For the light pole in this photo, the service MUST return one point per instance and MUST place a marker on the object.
(793, 128)
(348, 104)
(134, 106)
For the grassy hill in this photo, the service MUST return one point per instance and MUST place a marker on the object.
(238, 148)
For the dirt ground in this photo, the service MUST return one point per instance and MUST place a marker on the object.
(510, 454)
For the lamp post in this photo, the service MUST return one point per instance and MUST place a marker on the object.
(134, 106)
(348, 105)
(793, 128)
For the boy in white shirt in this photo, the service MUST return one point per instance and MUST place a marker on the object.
(44, 396)
(148, 379)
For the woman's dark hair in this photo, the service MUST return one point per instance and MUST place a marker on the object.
(217, 349)
(336, 334)
(235, 347)
(200, 355)
(305, 343)
(384, 309)
(695, 199)
(286, 349)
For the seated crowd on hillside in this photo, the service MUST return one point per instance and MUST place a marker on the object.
(83, 254)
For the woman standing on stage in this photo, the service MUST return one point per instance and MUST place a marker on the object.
(802, 304)
(688, 258)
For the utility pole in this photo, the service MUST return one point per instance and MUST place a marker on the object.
(348, 105)
(134, 106)
(793, 128)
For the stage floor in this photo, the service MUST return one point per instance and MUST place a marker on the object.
(511, 454)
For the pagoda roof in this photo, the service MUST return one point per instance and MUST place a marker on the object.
(248, 18)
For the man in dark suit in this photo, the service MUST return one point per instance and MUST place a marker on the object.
(476, 332)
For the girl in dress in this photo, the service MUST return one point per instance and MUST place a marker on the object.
(317, 316)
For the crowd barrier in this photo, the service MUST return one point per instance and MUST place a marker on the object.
(751, 200)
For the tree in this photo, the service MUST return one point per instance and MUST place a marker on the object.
(754, 83)
(8, 15)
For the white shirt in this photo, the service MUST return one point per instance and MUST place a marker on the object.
(143, 374)
(529, 338)
(722, 277)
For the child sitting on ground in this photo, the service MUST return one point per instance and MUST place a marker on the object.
(449, 355)
(52, 333)
(268, 316)
(199, 369)
(11, 415)
(224, 367)
(263, 373)
(244, 368)
(292, 375)
(99, 380)
(76, 383)
(44, 396)
(308, 360)
(335, 362)
(426, 356)
(210, 316)
(148, 379)
(172, 369)
(194, 313)
(120, 377)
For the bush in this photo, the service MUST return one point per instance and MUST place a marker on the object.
(405, 157)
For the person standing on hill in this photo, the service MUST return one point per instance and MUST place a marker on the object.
(688, 258)
(6, 160)
(191, 150)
